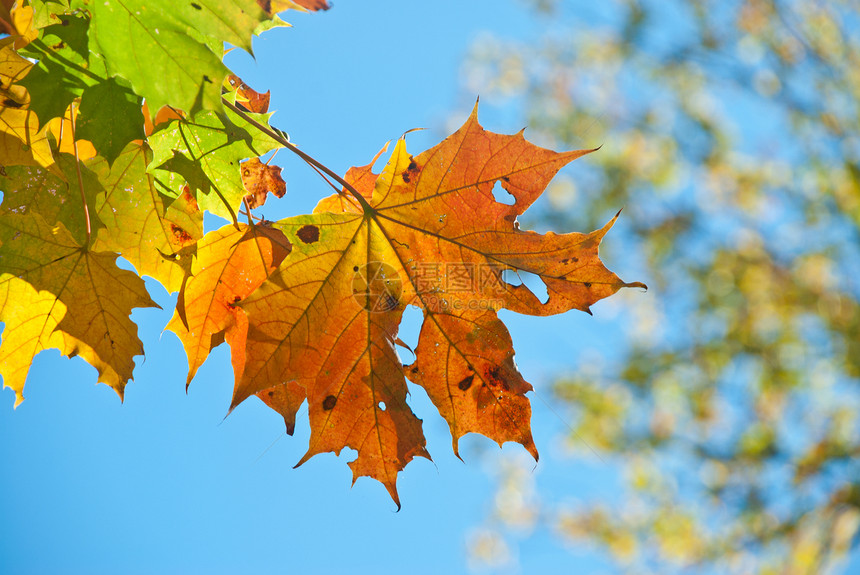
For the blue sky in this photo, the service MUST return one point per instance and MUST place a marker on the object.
(163, 483)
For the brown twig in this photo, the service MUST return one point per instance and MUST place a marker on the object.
(282, 139)
(248, 208)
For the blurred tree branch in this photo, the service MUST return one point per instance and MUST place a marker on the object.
(731, 134)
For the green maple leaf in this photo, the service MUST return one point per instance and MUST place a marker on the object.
(65, 69)
(110, 113)
(181, 44)
(111, 117)
(206, 151)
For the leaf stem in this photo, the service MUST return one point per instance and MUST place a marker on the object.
(248, 208)
(80, 178)
(282, 139)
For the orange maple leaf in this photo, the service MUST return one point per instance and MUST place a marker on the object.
(230, 264)
(426, 232)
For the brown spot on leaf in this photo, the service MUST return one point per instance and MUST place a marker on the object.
(329, 403)
(180, 236)
(189, 199)
(466, 382)
(309, 234)
(587, 284)
(492, 374)
(410, 171)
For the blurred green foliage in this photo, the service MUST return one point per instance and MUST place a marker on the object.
(731, 135)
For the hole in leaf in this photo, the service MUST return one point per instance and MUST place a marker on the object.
(349, 454)
(535, 284)
(381, 406)
(501, 195)
(511, 277)
(212, 222)
(410, 327)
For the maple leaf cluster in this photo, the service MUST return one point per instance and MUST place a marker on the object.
(125, 165)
